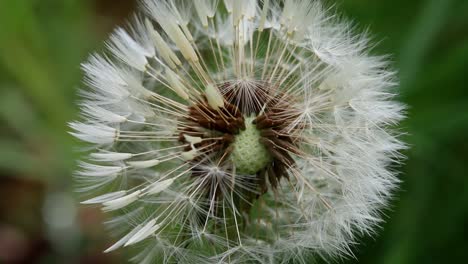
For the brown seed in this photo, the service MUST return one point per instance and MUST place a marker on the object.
(272, 177)
(228, 138)
(268, 133)
(259, 119)
(285, 145)
(261, 177)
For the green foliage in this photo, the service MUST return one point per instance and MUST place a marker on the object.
(41, 46)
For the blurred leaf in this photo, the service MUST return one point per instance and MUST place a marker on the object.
(14, 158)
(420, 38)
(18, 114)
(35, 52)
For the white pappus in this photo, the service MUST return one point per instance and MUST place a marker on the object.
(238, 132)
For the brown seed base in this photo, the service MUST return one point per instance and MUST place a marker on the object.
(273, 118)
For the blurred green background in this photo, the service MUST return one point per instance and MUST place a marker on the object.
(42, 43)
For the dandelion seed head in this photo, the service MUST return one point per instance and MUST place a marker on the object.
(238, 132)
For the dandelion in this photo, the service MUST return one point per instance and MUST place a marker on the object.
(238, 132)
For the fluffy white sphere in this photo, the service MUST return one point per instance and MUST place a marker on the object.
(237, 132)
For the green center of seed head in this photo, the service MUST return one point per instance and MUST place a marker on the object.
(249, 154)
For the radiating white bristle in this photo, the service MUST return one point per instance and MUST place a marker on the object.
(105, 197)
(124, 47)
(143, 232)
(163, 48)
(143, 164)
(110, 156)
(121, 202)
(94, 133)
(177, 86)
(158, 187)
(214, 97)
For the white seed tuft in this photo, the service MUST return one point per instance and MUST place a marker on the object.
(144, 163)
(120, 202)
(163, 48)
(105, 197)
(177, 86)
(124, 47)
(214, 97)
(94, 133)
(144, 232)
(110, 156)
(192, 140)
(193, 113)
(189, 155)
(124, 239)
(160, 186)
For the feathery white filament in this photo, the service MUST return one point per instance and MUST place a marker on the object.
(94, 133)
(215, 99)
(143, 233)
(120, 202)
(189, 155)
(124, 239)
(205, 9)
(193, 140)
(105, 197)
(110, 156)
(143, 164)
(161, 12)
(158, 187)
(128, 50)
(164, 50)
(177, 85)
